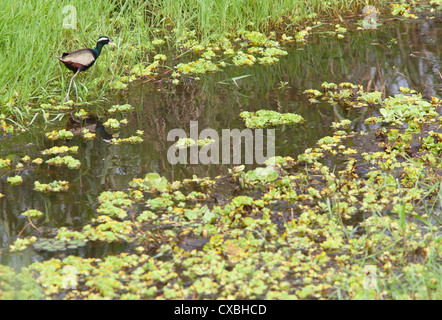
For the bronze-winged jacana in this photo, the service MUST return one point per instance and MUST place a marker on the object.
(83, 59)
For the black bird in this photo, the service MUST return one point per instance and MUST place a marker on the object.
(83, 59)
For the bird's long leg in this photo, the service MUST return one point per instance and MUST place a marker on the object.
(75, 87)
(70, 84)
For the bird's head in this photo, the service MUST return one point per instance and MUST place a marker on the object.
(105, 40)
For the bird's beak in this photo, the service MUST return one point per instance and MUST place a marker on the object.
(112, 44)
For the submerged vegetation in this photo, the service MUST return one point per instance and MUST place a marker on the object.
(340, 221)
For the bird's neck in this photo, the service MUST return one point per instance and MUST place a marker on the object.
(98, 48)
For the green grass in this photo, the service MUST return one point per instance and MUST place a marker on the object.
(32, 33)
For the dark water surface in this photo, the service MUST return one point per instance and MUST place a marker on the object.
(397, 54)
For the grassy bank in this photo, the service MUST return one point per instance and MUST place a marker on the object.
(35, 32)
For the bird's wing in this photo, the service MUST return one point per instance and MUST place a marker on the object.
(82, 56)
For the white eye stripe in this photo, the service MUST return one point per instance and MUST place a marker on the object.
(103, 39)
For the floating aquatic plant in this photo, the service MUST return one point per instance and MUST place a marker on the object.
(130, 140)
(26, 159)
(120, 108)
(81, 114)
(87, 135)
(158, 42)
(159, 56)
(37, 161)
(68, 161)
(269, 118)
(345, 123)
(53, 245)
(141, 70)
(114, 204)
(312, 93)
(32, 213)
(21, 244)
(153, 182)
(371, 98)
(267, 60)
(48, 106)
(60, 150)
(242, 58)
(54, 186)
(184, 143)
(339, 31)
(15, 180)
(114, 124)
(329, 86)
(59, 134)
(7, 129)
(4, 163)
(403, 10)
(256, 38)
(199, 66)
(18, 286)
(282, 162)
(401, 108)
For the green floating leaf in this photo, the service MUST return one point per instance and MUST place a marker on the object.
(269, 118)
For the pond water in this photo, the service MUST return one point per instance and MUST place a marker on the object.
(397, 54)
